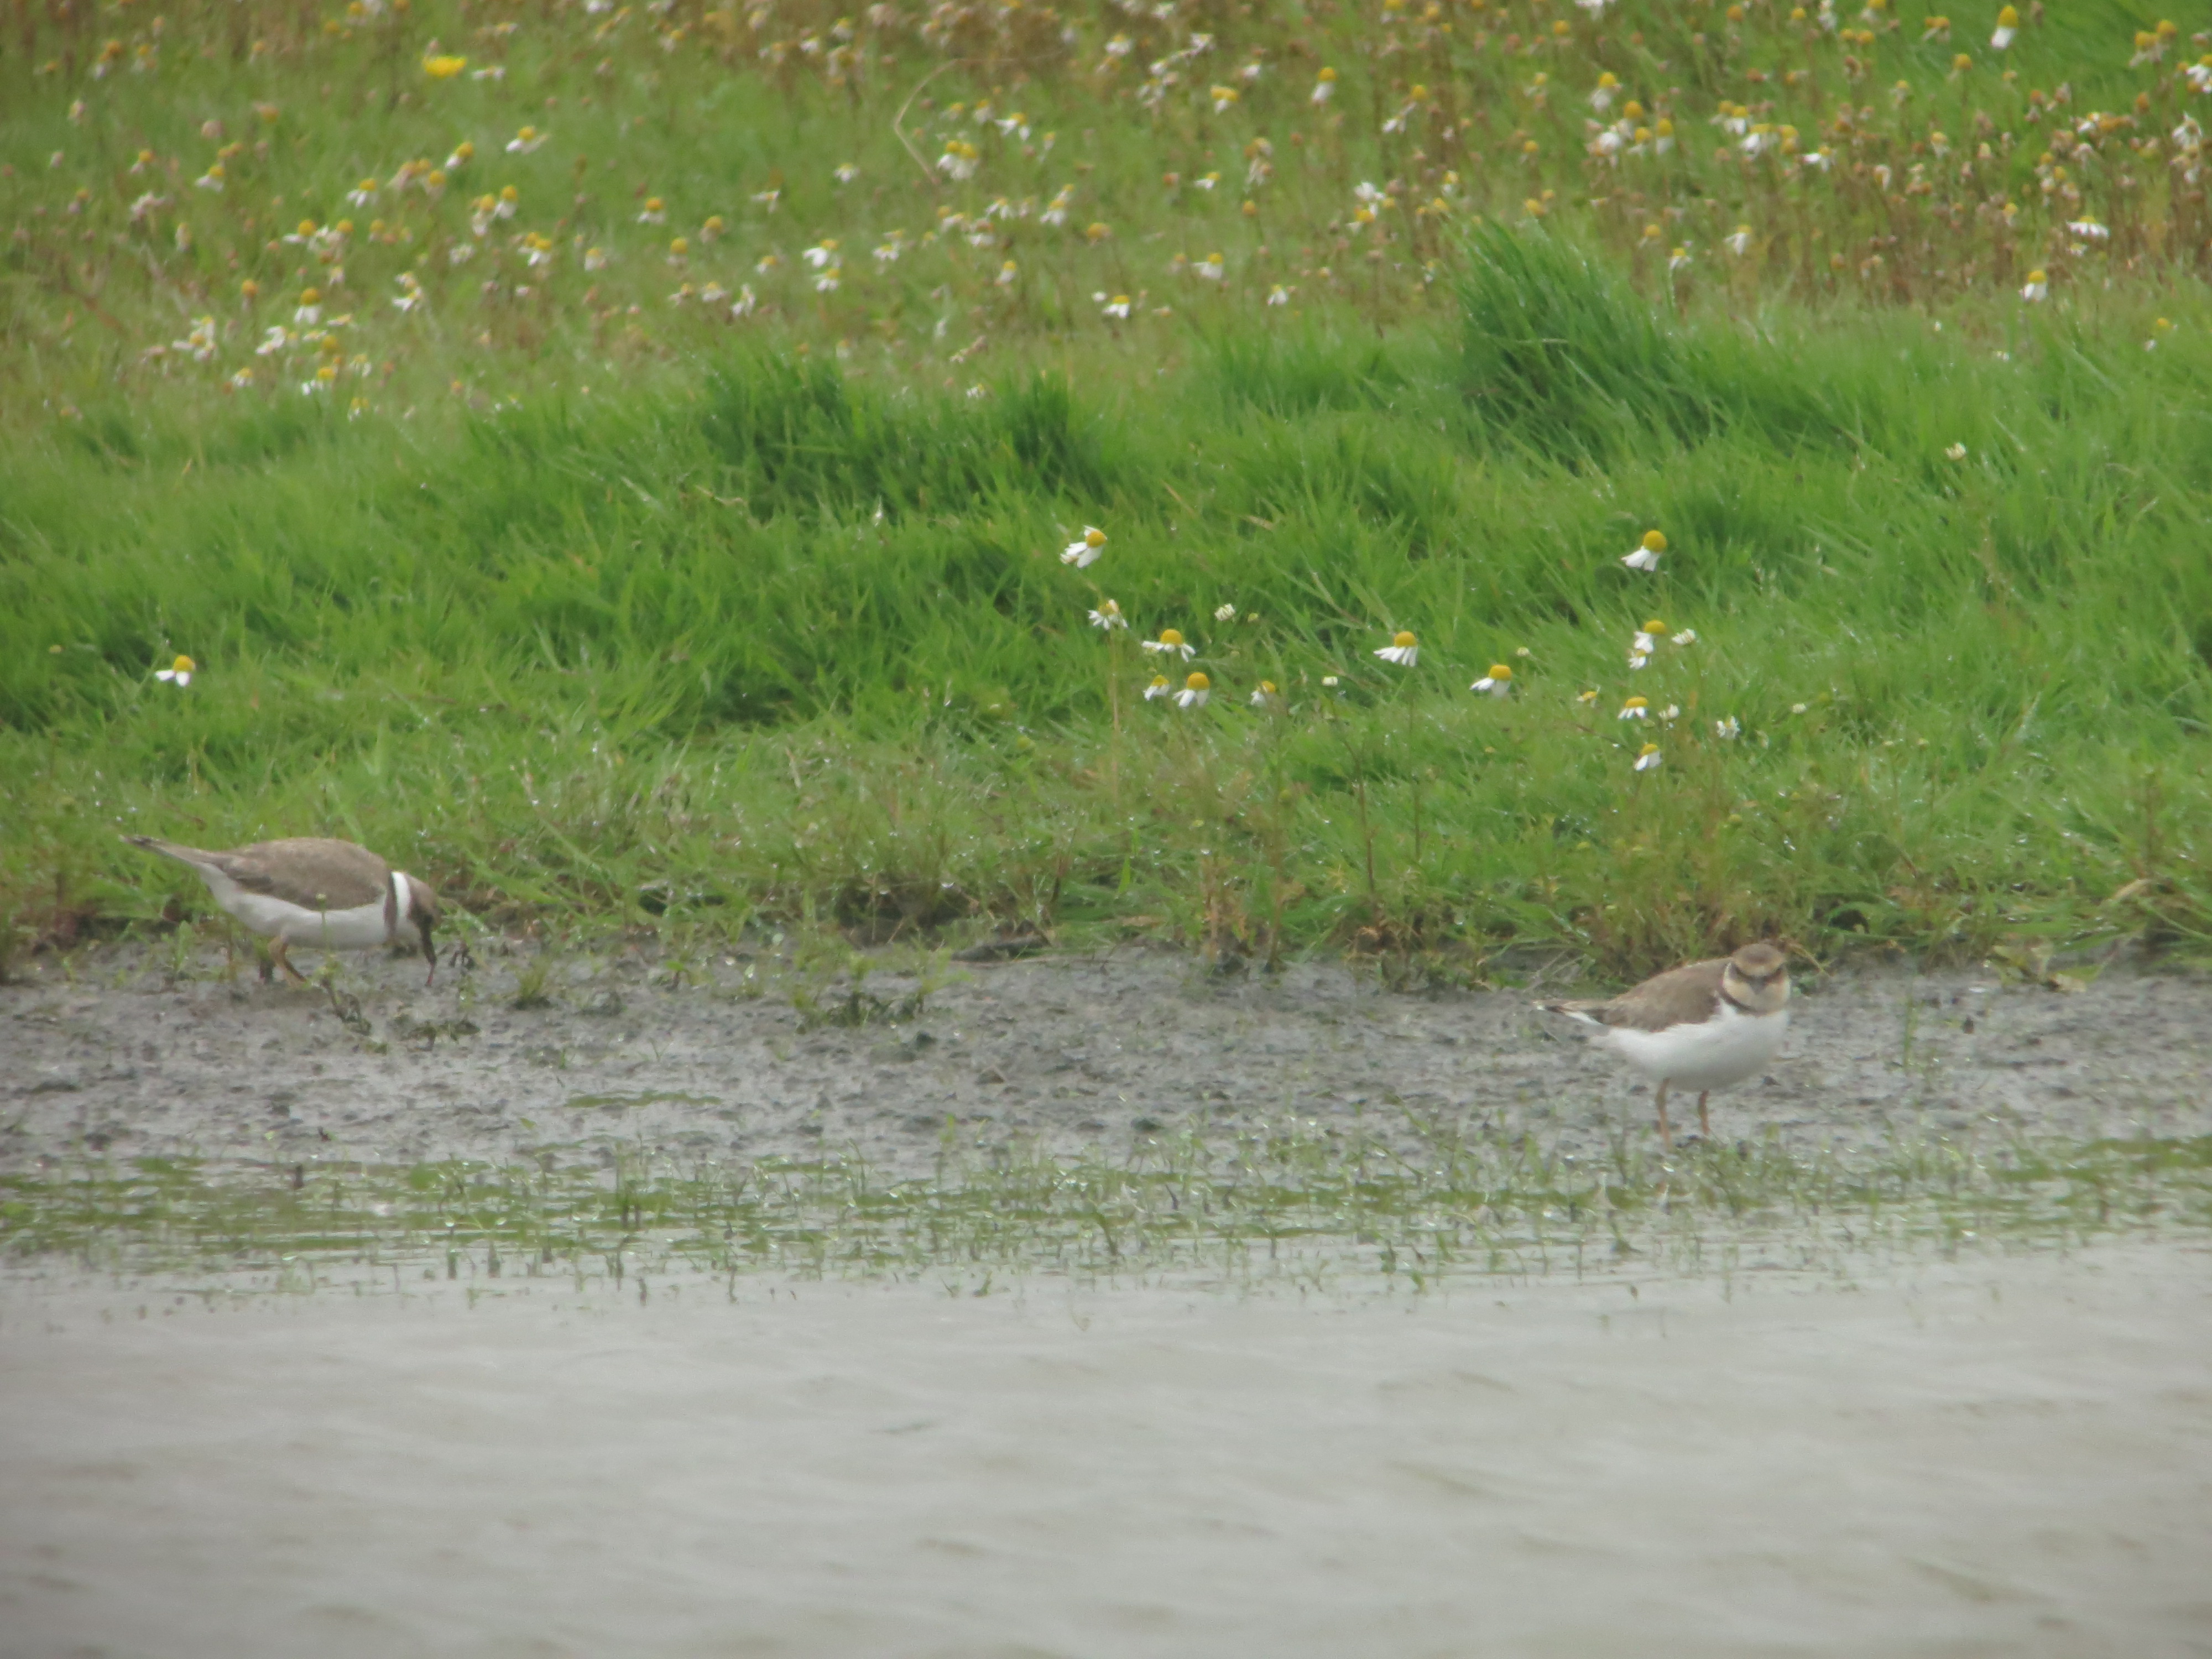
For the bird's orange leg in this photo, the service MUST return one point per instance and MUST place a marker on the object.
(1704, 1128)
(278, 949)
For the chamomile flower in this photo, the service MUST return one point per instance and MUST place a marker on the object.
(1210, 268)
(1649, 757)
(1195, 690)
(178, 673)
(1117, 307)
(846, 172)
(1159, 688)
(1266, 696)
(2007, 28)
(1636, 708)
(1108, 616)
(1738, 241)
(1645, 556)
(1497, 683)
(526, 141)
(1403, 650)
(1955, 452)
(1084, 553)
(1324, 88)
(2037, 289)
(1688, 636)
(1728, 731)
(655, 212)
(1224, 613)
(1170, 641)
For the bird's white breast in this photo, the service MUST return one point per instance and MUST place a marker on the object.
(1712, 1053)
(357, 929)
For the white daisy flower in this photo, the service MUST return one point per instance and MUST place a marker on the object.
(1109, 617)
(1497, 683)
(1648, 757)
(1728, 731)
(2007, 31)
(1266, 696)
(178, 673)
(1402, 650)
(1636, 708)
(1159, 688)
(1645, 556)
(2036, 288)
(1223, 613)
(1084, 553)
(1170, 640)
(1195, 690)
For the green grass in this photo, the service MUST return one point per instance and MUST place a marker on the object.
(782, 644)
(1426, 1201)
(676, 618)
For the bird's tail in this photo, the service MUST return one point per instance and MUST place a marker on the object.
(1577, 1010)
(167, 849)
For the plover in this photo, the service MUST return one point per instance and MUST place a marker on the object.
(1705, 1025)
(331, 895)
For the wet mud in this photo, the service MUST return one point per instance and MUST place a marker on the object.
(115, 1054)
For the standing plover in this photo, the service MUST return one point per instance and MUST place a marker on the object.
(1704, 1025)
(331, 895)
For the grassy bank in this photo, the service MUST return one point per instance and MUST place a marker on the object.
(788, 646)
(601, 603)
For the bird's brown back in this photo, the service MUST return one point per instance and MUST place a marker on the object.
(315, 873)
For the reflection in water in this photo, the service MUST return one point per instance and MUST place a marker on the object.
(1993, 1454)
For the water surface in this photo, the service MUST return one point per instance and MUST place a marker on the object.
(1994, 1454)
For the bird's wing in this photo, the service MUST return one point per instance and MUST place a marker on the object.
(313, 872)
(1680, 996)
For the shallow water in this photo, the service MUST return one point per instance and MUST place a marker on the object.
(1992, 1456)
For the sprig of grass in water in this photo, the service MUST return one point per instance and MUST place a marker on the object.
(1441, 1201)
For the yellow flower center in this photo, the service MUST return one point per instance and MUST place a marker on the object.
(1171, 636)
(1635, 702)
(1159, 679)
(309, 297)
(1498, 670)
(1268, 688)
(1654, 626)
(1654, 542)
(183, 665)
(1094, 537)
(1199, 683)
(1402, 642)
(1648, 749)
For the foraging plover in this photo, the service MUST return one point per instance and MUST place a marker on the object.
(1705, 1025)
(331, 895)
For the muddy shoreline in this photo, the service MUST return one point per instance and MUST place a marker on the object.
(115, 1055)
